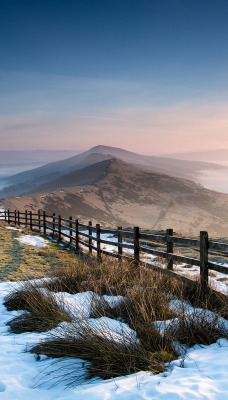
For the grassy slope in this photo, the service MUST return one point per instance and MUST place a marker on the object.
(19, 261)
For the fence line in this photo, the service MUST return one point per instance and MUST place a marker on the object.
(88, 237)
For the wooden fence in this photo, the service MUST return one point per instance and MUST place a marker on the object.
(131, 244)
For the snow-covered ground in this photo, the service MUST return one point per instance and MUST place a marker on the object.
(201, 375)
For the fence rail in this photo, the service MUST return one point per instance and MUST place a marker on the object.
(126, 243)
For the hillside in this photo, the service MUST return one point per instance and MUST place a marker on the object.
(85, 176)
(29, 180)
(122, 194)
(20, 261)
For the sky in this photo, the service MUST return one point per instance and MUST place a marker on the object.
(147, 75)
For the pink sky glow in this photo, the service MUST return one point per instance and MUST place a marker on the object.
(146, 130)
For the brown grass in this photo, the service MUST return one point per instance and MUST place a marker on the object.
(108, 358)
(146, 296)
(199, 328)
(42, 310)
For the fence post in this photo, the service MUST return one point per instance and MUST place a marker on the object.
(136, 245)
(90, 237)
(120, 241)
(30, 220)
(76, 236)
(203, 263)
(18, 217)
(44, 222)
(39, 222)
(70, 229)
(26, 218)
(8, 212)
(53, 223)
(98, 233)
(169, 249)
(59, 228)
(5, 215)
(15, 217)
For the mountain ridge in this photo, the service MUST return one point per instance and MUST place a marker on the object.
(127, 195)
(29, 180)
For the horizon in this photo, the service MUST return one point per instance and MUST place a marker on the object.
(126, 74)
(146, 153)
(40, 150)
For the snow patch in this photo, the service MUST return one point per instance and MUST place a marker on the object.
(31, 240)
(201, 375)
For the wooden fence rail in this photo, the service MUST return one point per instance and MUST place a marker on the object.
(125, 243)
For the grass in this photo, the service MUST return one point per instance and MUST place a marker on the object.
(146, 296)
(212, 274)
(42, 311)
(145, 299)
(20, 262)
(107, 357)
(214, 301)
(106, 278)
(199, 328)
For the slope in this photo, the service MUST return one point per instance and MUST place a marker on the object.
(85, 176)
(28, 180)
(126, 195)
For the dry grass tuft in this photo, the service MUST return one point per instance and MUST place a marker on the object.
(107, 357)
(106, 278)
(199, 328)
(42, 313)
(214, 301)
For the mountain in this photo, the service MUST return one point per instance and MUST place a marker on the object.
(30, 180)
(85, 176)
(113, 192)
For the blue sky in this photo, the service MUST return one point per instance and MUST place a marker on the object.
(150, 76)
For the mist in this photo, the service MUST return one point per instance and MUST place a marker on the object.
(215, 180)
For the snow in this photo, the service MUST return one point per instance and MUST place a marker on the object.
(33, 240)
(12, 228)
(80, 304)
(183, 307)
(200, 375)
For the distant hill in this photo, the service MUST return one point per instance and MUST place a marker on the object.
(30, 180)
(113, 192)
(85, 176)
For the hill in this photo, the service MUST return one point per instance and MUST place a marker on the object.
(114, 192)
(85, 176)
(30, 180)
